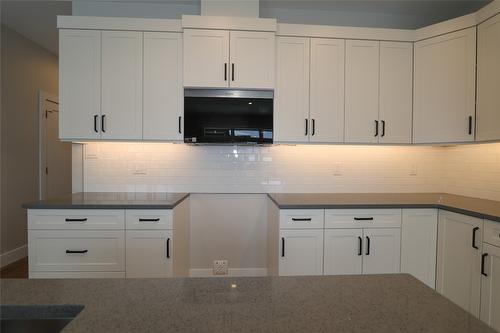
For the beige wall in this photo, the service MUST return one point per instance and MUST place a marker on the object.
(25, 68)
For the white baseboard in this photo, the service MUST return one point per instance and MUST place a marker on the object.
(13, 255)
(236, 272)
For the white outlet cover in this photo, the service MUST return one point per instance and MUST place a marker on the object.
(220, 267)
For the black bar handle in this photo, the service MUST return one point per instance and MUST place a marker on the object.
(470, 125)
(103, 129)
(76, 220)
(483, 257)
(282, 247)
(77, 251)
(303, 219)
(149, 220)
(225, 71)
(383, 128)
(168, 248)
(360, 246)
(474, 238)
(95, 123)
(313, 130)
(363, 219)
(376, 127)
(180, 120)
(307, 126)
(367, 245)
(232, 72)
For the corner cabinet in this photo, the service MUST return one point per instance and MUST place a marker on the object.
(444, 91)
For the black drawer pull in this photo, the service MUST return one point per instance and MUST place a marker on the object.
(483, 257)
(363, 219)
(360, 246)
(76, 220)
(77, 251)
(367, 245)
(168, 248)
(474, 238)
(305, 219)
(149, 220)
(282, 247)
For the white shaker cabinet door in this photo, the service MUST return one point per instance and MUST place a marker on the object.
(343, 251)
(121, 117)
(301, 252)
(382, 251)
(149, 253)
(490, 287)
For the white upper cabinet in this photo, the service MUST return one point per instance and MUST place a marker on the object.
(291, 98)
(121, 85)
(488, 80)
(252, 59)
(396, 92)
(163, 92)
(444, 97)
(361, 91)
(327, 90)
(206, 58)
(79, 84)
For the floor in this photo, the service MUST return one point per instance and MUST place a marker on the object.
(16, 270)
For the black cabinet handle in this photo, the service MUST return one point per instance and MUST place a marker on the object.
(77, 251)
(360, 246)
(307, 126)
(304, 219)
(95, 123)
(149, 220)
(103, 129)
(376, 127)
(383, 128)
(76, 220)
(470, 125)
(313, 131)
(168, 248)
(282, 247)
(363, 219)
(232, 72)
(180, 120)
(225, 71)
(367, 245)
(483, 257)
(474, 238)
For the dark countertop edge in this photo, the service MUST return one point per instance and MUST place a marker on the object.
(367, 206)
(55, 205)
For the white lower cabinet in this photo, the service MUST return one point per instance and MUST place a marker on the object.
(301, 252)
(149, 253)
(381, 251)
(490, 286)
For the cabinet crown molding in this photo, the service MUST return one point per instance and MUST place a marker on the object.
(117, 23)
(229, 23)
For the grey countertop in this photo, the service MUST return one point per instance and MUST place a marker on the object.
(481, 208)
(112, 200)
(363, 303)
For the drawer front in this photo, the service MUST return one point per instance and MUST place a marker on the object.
(76, 219)
(362, 218)
(491, 232)
(76, 275)
(148, 219)
(73, 251)
(302, 218)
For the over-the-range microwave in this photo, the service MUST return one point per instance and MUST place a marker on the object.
(222, 116)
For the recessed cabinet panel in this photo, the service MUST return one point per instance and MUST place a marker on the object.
(343, 251)
(301, 252)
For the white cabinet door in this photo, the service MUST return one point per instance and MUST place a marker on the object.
(121, 85)
(419, 244)
(301, 252)
(327, 90)
(361, 91)
(163, 92)
(252, 59)
(206, 58)
(79, 84)
(459, 259)
(488, 76)
(490, 287)
(382, 250)
(444, 97)
(396, 92)
(343, 251)
(149, 253)
(291, 108)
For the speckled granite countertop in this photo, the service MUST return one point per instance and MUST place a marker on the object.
(363, 303)
(111, 200)
(481, 208)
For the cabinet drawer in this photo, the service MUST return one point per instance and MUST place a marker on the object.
(362, 218)
(302, 218)
(79, 250)
(491, 232)
(148, 219)
(76, 219)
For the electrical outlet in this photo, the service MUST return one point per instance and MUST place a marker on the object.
(337, 169)
(220, 267)
(413, 169)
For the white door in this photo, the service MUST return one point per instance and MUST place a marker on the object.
(419, 244)
(149, 253)
(490, 286)
(488, 75)
(445, 76)
(301, 252)
(252, 59)
(121, 85)
(459, 259)
(79, 84)
(206, 58)
(163, 92)
(343, 251)
(327, 90)
(291, 99)
(382, 250)
(396, 92)
(361, 91)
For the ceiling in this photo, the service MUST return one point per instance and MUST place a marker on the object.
(36, 20)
